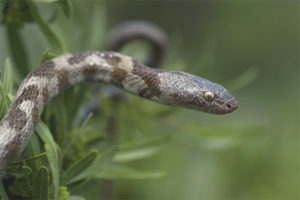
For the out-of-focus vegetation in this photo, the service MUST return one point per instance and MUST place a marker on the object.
(158, 152)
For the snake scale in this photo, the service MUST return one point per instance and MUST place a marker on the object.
(46, 81)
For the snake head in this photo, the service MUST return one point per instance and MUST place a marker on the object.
(189, 91)
(216, 99)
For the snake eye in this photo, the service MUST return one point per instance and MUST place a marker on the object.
(209, 96)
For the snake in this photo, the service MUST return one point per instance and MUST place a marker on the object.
(172, 88)
(133, 30)
(118, 37)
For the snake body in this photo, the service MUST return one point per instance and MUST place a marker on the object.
(46, 81)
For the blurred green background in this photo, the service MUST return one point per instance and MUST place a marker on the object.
(250, 47)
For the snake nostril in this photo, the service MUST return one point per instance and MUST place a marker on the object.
(228, 106)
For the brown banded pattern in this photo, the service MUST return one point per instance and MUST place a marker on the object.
(166, 87)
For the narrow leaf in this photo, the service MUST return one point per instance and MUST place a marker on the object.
(2, 6)
(3, 101)
(100, 161)
(40, 187)
(3, 194)
(96, 33)
(78, 185)
(27, 171)
(77, 134)
(78, 168)
(93, 168)
(67, 7)
(145, 143)
(123, 172)
(140, 150)
(35, 157)
(48, 55)
(50, 35)
(54, 168)
(17, 49)
(33, 149)
(10, 97)
(243, 80)
(7, 77)
(46, 1)
(132, 155)
(53, 154)
(75, 198)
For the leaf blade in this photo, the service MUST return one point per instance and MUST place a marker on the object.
(50, 35)
(40, 188)
(53, 154)
(3, 194)
(78, 167)
(123, 172)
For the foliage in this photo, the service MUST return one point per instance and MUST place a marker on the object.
(48, 170)
(66, 154)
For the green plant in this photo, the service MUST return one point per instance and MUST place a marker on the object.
(65, 153)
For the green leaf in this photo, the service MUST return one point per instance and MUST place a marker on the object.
(34, 157)
(40, 187)
(129, 156)
(78, 168)
(59, 112)
(96, 33)
(243, 80)
(77, 134)
(33, 148)
(123, 172)
(54, 167)
(2, 6)
(7, 77)
(5, 86)
(67, 7)
(26, 171)
(46, 1)
(93, 167)
(100, 161)
(53, 154)
(146, 143)
(75, 198)
(3, 104)
(50, 35)
(20, 187)
(18, 50)
(140, 150)
(3, 194)
(15, 14)
(10, 97)
(47, 55)
(74, 187)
